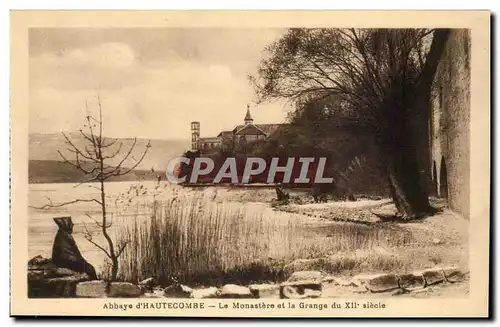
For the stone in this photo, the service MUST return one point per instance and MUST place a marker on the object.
(63, 272)
(92, 289)
(299, 292)
(232, 291)
(263, 291)
(38, 261)
(205, 293)
(123, 289)
(178, 291)
(305, 275)
(147, 284)
(46, 280)
(453, 274)
(412, 281)
(377, 283)
(301, 289)
(433, 276)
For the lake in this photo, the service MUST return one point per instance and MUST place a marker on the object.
(126, 202)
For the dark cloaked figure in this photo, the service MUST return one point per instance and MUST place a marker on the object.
(65, 253)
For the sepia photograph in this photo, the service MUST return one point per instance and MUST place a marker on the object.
(225, 169)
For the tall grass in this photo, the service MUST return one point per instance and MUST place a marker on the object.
(195, 240)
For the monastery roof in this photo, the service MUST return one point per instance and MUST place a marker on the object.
(209, 139)
(268, 129)
(250, 129)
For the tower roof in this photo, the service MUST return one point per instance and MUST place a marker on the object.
(248, 116)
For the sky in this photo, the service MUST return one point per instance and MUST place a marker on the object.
(152, 81)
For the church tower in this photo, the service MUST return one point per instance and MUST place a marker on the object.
(248, 117)
(195, 135)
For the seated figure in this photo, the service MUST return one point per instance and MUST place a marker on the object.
(65, 253)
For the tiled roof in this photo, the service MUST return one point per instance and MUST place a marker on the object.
(209, 139)
(250, 129)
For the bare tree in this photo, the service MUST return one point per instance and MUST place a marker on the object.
(95, 160)
(382, 78)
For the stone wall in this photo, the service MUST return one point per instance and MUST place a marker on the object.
(450, 123)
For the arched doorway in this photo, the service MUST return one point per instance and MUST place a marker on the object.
(434, 190)
(443, 180)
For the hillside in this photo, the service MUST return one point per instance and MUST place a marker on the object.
(45, 164)
(45, 147)
(52, 171)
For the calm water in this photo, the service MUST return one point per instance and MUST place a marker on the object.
(130, 199)
(127, 202)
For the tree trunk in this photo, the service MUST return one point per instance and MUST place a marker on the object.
(401, 143)
(409, 196)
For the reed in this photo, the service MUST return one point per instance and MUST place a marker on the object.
(195, 240)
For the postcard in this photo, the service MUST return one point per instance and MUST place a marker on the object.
(250, 163)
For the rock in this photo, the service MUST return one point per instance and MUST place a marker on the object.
(46, 280)
(92, 289)
(262, 291)
(288, 291)
(147, 284)
(232, 291)
(412, 281)
(122, 289)
(305, 275)
(433, 276)
(377, 283)
(204, 293)
(453, 274)
(38, 261)
(63, 272)
(178, 291)
(436, 241)
(301, 289)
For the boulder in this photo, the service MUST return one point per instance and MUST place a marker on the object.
(204, 293)
(122, 289)
(309, 275)
(453, 274)
(92, 289)
(377, 283)
(148, 283)
(232, 291)
(411, 281)
(46, 280)
(262, 291)
(433, 276)
(178, 291)
(301, 289)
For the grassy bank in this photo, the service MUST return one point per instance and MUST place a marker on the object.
(200, 241)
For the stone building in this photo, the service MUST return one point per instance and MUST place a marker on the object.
(449, 125)
(239, 136)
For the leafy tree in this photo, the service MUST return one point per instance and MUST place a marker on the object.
(382, 81)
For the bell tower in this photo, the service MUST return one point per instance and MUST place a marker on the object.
(248, 116)
(195, 135)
